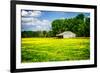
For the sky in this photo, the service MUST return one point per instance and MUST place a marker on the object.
(32, 20)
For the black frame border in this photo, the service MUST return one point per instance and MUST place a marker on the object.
(13, 36)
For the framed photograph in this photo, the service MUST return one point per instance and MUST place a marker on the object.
(51, 36)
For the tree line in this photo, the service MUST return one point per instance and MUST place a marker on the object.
(37, 34)
(80, 25)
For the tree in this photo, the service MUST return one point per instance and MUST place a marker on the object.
(87, 28)
(57, 26)
(79, 25)
(45, 33)
(80, 16)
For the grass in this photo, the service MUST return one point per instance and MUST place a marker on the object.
(53, 49)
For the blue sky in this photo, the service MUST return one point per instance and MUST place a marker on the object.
(41, 20)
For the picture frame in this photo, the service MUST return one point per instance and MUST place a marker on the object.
(16, 23)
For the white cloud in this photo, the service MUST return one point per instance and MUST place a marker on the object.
(26, 20)
(24, 13)
(45, 22)
(30, 13)
(43, 25)
(30, 21)
(36, 24)
(36, 13)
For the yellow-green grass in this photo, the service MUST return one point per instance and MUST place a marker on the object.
(54, 49)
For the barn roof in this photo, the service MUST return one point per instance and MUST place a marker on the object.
(64, 33)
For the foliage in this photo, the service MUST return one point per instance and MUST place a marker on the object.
(79, 25)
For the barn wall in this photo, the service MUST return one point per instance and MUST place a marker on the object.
(69, 35)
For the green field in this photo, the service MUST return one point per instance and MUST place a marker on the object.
(54, 49)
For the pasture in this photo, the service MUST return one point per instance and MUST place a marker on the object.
(54, 49)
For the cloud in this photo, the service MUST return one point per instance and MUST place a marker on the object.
(35, 24)
(30, 13)
(43, 25)
(31, 21)
(26, 20)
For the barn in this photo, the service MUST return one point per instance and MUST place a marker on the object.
(66, 34)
